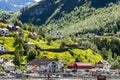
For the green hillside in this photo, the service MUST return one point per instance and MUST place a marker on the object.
(68, 55)
(8, 43)
(74, 16)
(46, 47)
(57, 9)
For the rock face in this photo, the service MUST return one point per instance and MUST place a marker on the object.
(14, 5)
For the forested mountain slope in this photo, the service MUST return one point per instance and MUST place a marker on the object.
(46, 8)
(74, 16)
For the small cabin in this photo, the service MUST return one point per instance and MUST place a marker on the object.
(58, 35)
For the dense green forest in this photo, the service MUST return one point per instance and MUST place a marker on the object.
(72, 17)
(58, 8)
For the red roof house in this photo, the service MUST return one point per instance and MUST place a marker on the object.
(34, 67)
(71, 65)
(79, 65)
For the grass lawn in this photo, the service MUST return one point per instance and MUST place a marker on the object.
(86, 55)
(8, 42)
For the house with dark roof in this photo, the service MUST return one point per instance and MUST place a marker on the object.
(44, 65)
(103, 65)
(79, 65)
(13, 28)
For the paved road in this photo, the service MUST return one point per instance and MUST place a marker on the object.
(56, 79)
(70, 78)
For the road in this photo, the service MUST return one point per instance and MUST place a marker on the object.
(59, 79)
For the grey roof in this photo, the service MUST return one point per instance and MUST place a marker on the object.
(41, 61)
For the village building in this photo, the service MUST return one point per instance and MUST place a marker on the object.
(31, 45)
(97, 36)
(8, 66)
(2, 60)
(3, 20)
(44, 65)
(82, 39)
(91, 34)
(103, 65)
(4, 32)
(32, 35)
(108, 34)
(62, 63)
(2, 48)
(58, 35)
(12, 28)
(118, 34)
(79, 65)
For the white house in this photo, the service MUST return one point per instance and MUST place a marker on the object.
(12, 27)
(4, 31)
(8, 66)
(62, 63)
(45, 65)
(53, 66)
(103, 65)
(91, 34)
(1, 60)
(82, 39)
(2, 48)
(118, 34)
(31, 44)
(58, 35)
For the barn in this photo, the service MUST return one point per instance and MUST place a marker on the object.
(79, 65)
